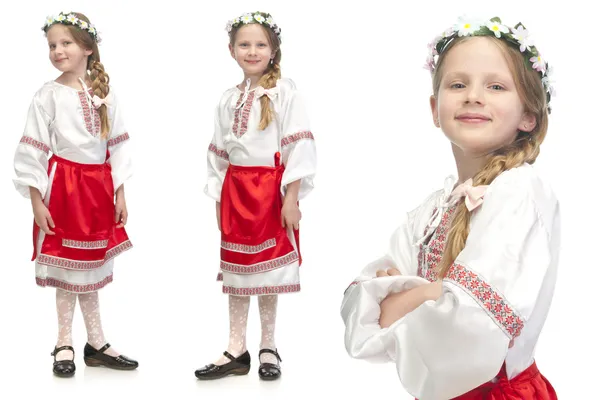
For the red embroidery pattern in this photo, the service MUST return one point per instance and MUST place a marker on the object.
(260, 267)
(219, 152)
(220, 276)
(116, 140)
(34, 143)
(430, 255)
(241, 127)
(296, 137)
(91, 287)
(243, 248)
(488, 298)
(77, 244)
(65, 263)
(89, 112)
(261, 290)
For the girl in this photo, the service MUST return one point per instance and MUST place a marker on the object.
(79, 226)
(261, 162)
(461, 297)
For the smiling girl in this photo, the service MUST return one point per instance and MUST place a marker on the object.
(78, 194)
(461, 297)
(261, 162)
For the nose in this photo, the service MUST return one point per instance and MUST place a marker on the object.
(474, 94)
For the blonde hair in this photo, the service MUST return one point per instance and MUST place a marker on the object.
(98, 75)
(525, 148)
(269, 78)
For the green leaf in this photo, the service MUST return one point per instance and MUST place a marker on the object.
(496, 19)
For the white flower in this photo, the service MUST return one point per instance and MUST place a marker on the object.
(259, 18)
(270, 21)
(72, 19)
(538, 64)
(466, 26)
(49, 20)
(247, 18)
(448, 32)
(236, 20)
(522, 36)
(229, 26)
(92, 30)
(83, 24)
(61, 18)
(497, 28)
(548, 81)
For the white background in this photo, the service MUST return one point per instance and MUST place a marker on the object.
(360, 68)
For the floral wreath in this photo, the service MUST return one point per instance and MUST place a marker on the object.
(258, 17)
(70, 19)
(517, 37)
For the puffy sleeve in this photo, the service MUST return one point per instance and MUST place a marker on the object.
(119, 144)
(217, 161)
(31, 157)
(447, 347)
(298, 148)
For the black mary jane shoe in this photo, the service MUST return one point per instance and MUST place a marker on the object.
(97, 358)
(237, 366)
(63, 368)
(269, 371)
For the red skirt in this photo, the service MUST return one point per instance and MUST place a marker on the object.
(83, 210)
(253, 239)
(528, 385)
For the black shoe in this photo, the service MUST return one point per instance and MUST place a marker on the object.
(63, 368)
(269, 371)
(237, 366)
(97, 358)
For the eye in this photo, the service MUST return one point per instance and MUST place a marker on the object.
(497, 87)
(52, 46)
(457, 86)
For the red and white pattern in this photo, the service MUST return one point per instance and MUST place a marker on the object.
(490, 299)
(261, 290)
(119, 139)
(246, 249)
(290, 139)
(89, 112)
(219, 152)
(78, 244)
(92, 287)
(240, 121)
(430, 255)
(260, 267)
(35, 143)
(58, 262)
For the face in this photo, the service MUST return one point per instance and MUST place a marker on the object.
(477, 106)
(252, 50)
(65, 54)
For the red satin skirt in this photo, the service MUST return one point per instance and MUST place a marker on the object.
(83, 210)
(528, 385)
(252, 237)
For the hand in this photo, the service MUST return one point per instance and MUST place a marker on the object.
(219, 215)
(387, 272)
(42, 216)
(121, 211)
(290, 215)
(392, 308)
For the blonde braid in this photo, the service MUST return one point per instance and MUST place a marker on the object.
(100, 80)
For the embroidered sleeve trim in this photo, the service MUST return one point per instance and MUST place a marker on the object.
(490, 299)
(35, 143)
(119, 139)
(293, 138)
(219, 152)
